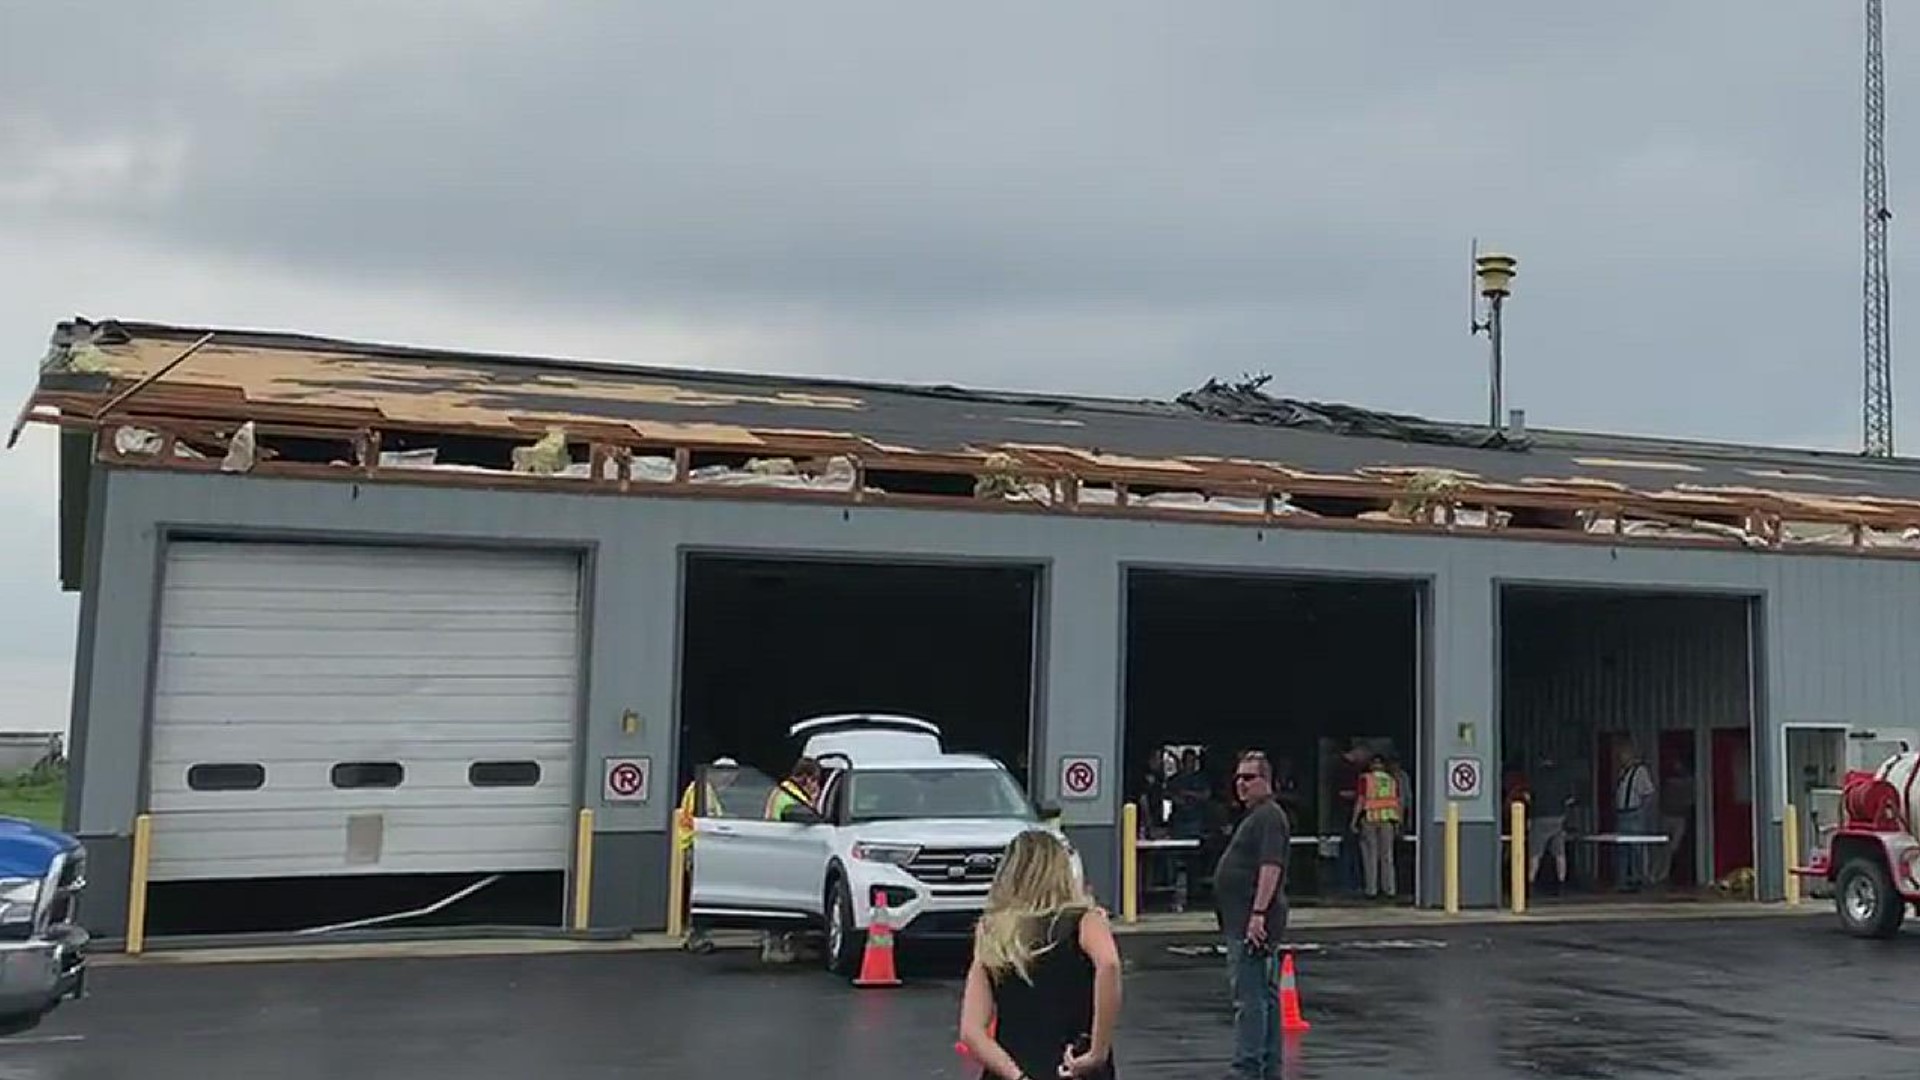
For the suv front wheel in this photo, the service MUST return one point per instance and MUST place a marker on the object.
(845, 941)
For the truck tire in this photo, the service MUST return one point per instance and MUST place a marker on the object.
(1865, 899)
(846, 943)
(19, 1023)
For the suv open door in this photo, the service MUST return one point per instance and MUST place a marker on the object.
(747, 870)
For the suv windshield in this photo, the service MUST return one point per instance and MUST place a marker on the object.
(889, 794)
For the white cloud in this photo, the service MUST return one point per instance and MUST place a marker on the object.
(39, 694)
(43, 166)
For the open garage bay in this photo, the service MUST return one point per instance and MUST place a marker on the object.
(1643, 701)
(1320, 674)
(767, 642)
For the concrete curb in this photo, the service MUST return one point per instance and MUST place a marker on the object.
(1412, 918)
(1309, 920)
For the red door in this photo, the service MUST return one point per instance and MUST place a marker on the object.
(1732, 800)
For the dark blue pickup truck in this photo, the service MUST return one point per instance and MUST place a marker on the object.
(43, 950)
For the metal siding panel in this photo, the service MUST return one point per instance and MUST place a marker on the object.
(299, 657)
(1846, 641)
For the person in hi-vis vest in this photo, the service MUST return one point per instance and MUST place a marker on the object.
(801, 789)
(719, 778)
(1376, 817)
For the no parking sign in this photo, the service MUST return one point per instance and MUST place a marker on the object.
(627, 780)
(1080, 778)
(1463, 778)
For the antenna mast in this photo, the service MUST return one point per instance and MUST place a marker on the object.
(1876, 322)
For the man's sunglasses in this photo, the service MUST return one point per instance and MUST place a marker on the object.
(1245, 776)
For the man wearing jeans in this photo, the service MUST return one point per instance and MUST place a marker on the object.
(1251, 902)
(1633, 806)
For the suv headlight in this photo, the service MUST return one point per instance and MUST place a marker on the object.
(18, 899)
(892, 854)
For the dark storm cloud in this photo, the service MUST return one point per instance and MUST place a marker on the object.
(1106, 196)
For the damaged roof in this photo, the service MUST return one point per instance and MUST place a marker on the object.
(246, 375)
(252, 374)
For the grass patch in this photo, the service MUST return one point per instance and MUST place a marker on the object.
(35, 798)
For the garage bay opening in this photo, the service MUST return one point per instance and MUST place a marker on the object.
(1324, 676)
(351, 738)
(1626, 721)
(767, 642)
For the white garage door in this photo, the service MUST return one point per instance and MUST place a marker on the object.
(323, 709)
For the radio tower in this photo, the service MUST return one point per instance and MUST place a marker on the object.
(1876, 324)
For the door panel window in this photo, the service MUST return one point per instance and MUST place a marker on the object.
(368, 774)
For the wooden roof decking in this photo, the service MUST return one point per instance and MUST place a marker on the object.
(316, 407)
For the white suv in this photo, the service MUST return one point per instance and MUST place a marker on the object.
(900, 817)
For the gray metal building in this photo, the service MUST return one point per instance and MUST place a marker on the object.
(355, 610)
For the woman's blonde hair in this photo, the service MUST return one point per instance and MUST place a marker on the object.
(1035, 886)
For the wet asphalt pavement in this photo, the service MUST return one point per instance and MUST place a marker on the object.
(1749, 998)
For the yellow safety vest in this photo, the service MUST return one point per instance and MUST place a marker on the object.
(1381, 799)
(784, 794)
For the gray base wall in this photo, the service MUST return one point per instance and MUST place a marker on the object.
(1099, 850)
(1480, 865)
(630, 872)
(103, 907)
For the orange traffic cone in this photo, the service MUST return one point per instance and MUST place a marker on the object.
(1290, 1019)
(876, 966)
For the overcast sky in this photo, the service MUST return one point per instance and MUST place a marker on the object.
(1103, 197)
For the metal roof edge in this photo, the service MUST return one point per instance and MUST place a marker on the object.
(1543, 437)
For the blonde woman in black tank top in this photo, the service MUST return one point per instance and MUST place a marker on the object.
(1045, 971)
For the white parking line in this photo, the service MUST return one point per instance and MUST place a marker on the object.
(1374, 945)
(41, 1040)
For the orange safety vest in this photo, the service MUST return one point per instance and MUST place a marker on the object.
(1380, 797)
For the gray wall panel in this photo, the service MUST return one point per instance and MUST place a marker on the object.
(103, 907)
(629, 882)
(1836, 626)
(1099, 850)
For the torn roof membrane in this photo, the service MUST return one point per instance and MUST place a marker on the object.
(1223, 435)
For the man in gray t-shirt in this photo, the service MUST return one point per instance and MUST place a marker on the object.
(1249, 886)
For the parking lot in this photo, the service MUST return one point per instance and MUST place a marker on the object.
(1764, 997)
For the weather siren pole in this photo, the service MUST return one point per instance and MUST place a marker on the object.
(1493, 275)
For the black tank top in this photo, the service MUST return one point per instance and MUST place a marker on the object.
(1038, 1021)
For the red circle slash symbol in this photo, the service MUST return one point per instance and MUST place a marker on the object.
(626, 778)
(1080, 777)
(1464, 775)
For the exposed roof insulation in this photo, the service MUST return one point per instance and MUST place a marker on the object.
(1229, 442)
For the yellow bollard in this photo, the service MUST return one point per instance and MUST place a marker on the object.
(677, 881)
(1130, 863)
(1452, 869)
(1518, 857)
(137, 890)
(1790, 839)
(583, 870)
